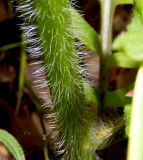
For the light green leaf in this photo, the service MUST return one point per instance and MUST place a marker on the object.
(11, 143)
(117, 98)
(119, 2)
(136, 23)
(84, 32)
(131, 43)
(120, 59)
(139, 7)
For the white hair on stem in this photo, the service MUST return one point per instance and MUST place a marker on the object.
(50, 36)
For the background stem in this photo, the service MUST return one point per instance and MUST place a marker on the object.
(107, 12)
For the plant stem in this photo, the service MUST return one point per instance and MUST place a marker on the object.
(70, 119)
(46, 152)
(107, 12)
(135, 146)
(21, 75)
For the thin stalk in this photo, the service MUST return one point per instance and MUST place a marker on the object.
(107, 12)
(45, 152)
(135, 146)
(21, 75)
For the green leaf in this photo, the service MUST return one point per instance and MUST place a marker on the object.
(120, 59)
(119, 2)
(136, 23)
(84, 32)
(131, 43)
(117, 98)
(11, 143)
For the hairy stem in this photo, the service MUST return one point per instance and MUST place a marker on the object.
(49, 33)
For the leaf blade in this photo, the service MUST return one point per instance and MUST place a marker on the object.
(12, 144)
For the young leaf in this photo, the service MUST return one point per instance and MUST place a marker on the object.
(11, 143)
(84, 32)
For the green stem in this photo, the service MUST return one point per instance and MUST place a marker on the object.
(45, 152)
(135, 146)
(21, 78)
(51, 23)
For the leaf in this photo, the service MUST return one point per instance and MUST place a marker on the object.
(139, 7)
(84, 32)
(120, 59)
(11, 143)
(130, 42)
(117, 98)
(119, 2)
